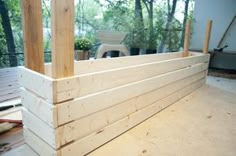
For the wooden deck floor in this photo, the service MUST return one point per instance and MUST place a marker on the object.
(202, 123)
(9, 86)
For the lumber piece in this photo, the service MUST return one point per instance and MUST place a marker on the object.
(207, 37)
(38, 145)
(87, 144)
(33, 38)
(23, 150)
(62, 15)
(97, 121)
(91, 66)
(86, 105)
(95, 82)
(48, 113)
(94, 140)
(187, 38)
(63, 89)
(40, 128)
(39, 107)
(91, 104)
(36, 82)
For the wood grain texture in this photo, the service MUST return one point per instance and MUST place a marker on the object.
(187, 38)
(37, 83)
(38, 145)
(95, 122)
(33, 34)
(40, 128)
(79, 108)
(91, 142)
(39, 107)
(87, 144)
(207, 36)
(62, 14)
(99, 81)
(92, 103)
(48, 112)
(90, 66)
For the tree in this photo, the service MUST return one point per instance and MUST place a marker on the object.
(184, 21)
(137, 33)
(6, 24)
(170, 16)
(151, 37)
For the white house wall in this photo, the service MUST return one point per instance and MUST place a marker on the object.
(222, 13)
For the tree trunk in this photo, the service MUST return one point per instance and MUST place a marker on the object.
(149, 7)
(8, 33)
(139, 24)
(151, 31)
(170, 17)
(138, 12)
(184, 21)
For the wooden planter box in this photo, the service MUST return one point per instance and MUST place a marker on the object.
(72, 108)
(74, 115)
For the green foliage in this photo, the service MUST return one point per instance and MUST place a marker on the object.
(110, 15)
(173, 41)
(117, 17)
(15, 17)
(82, 44)
(3, 47)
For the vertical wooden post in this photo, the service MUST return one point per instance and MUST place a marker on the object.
(207, 36)
(62, 14)
(33, 34)
(187, 38)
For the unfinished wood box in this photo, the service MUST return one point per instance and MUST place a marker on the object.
(74, 115)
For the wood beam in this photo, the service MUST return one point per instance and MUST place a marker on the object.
(62, 14)
(187, 38)
(33, 34)
(207, 36)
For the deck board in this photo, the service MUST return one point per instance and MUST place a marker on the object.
(9, 87)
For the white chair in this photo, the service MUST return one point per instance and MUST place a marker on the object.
(111, 41)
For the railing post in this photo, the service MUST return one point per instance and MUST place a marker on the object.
(62, 14)
(187, 38)
(33, 34)
(207, 36)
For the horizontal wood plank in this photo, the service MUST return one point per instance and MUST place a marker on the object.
(89, 143)
(10, 87)
(92, 123)
(48, 113)
(39, 146)
(39, 107)
(95, 82)
(8, 97)
(87, 105)
(37, 83)
(94, 140)
(40, 128)
(65, 132)
(90, 66)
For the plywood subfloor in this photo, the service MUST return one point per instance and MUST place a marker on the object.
(202, 123)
